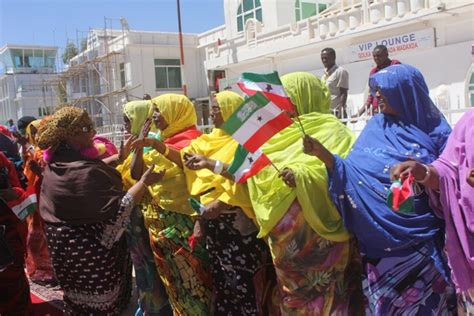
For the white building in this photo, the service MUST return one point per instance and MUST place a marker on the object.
(121, 65)
(25, 87)
(288, 35)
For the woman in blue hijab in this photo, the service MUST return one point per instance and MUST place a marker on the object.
(406, 269)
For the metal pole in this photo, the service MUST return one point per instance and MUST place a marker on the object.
(183, 79)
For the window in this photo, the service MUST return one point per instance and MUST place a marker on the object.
(167, 73)
(308, 8)
(122, 74)
(248, 9)
(471, 89)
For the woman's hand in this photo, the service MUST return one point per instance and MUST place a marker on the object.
(126, 148)
(146, 142)
(213, 209)
(196, 162)
(401, 170)
(199, 230)
(150, 177)
(470, 177)
(288, 177)
(312, 146)
(142, 140)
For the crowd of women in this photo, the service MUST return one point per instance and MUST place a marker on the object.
(315, 238)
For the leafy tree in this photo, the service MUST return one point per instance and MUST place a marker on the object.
(69, 52)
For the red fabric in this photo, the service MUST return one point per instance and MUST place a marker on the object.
(15, 299)
(183, 138)
(370, 99)
(4, 130)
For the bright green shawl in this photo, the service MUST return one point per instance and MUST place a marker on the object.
(270, 196)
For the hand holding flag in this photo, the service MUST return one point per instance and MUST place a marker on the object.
(400, 195)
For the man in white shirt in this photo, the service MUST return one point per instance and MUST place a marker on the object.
(337, 80)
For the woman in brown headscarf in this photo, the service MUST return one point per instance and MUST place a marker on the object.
(85, 211)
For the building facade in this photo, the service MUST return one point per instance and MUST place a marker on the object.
(119, 66)
(288, 35)
(25, 87)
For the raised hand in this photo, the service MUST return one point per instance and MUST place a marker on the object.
(195, 162)
(126, 148)
(35, 167)
(288, 177)
(312, 146)
(150, 177)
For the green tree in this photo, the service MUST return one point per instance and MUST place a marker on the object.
(69, 52)
(83, 44)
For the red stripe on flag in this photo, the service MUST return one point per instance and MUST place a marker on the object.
(267, 130)
(283, 103)
(258, 165)
(242, 87)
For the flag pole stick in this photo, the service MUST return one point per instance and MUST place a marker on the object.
(301, 125)
(274, 166)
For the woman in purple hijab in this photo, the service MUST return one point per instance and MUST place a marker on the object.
(451, 182)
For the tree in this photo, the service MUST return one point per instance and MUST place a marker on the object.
(69, 52)
(83, 44)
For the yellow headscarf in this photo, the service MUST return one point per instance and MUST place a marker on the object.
(36, 124)
(170, 193)
(137, 112)
(270, 196)
(178, 112)
(220, 146)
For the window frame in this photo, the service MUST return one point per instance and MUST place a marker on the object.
(176, 65)
(123, 76)
(242, 16)
(299, 9)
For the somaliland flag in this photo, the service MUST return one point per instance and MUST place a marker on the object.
(400, 195)
(24, 205)
(268, 84)
(246, 165)
(255, 122)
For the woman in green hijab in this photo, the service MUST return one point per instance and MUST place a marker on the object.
(310, 247)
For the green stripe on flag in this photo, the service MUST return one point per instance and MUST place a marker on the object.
(195, 205)
(239, 158)
(271, 78)
(244, 112)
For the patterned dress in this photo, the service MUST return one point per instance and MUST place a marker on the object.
(315, 276)
(184, 271)
(152, 297)
(239, 259)
(92, 264)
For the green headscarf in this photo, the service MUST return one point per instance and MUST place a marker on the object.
(307, 92)
(270, 196)
(137, 112)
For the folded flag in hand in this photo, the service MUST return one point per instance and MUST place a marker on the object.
(400, 195)
(25, 204)
(268, 84)
(196, 205)
(255, 122)
(246, 164)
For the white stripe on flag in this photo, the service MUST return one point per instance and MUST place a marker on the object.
(246, 165)
(256, 121)
(262, 86)
(29, 200)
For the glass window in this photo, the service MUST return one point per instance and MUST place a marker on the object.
(322, 7)
(240, 24)
(248, 9)
(168, 74)
(308, 9)
(122, 75)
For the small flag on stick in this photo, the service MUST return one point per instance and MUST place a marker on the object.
(400, 195)
(246, 164)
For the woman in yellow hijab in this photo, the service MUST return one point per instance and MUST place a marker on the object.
(183, 268)
(238, 257)
(310, 247)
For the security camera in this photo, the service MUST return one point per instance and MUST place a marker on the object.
(441, 6)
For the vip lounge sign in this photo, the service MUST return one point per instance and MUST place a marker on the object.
(396, 44)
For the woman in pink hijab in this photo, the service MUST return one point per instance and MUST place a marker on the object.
(451, 183)
(105, 147)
